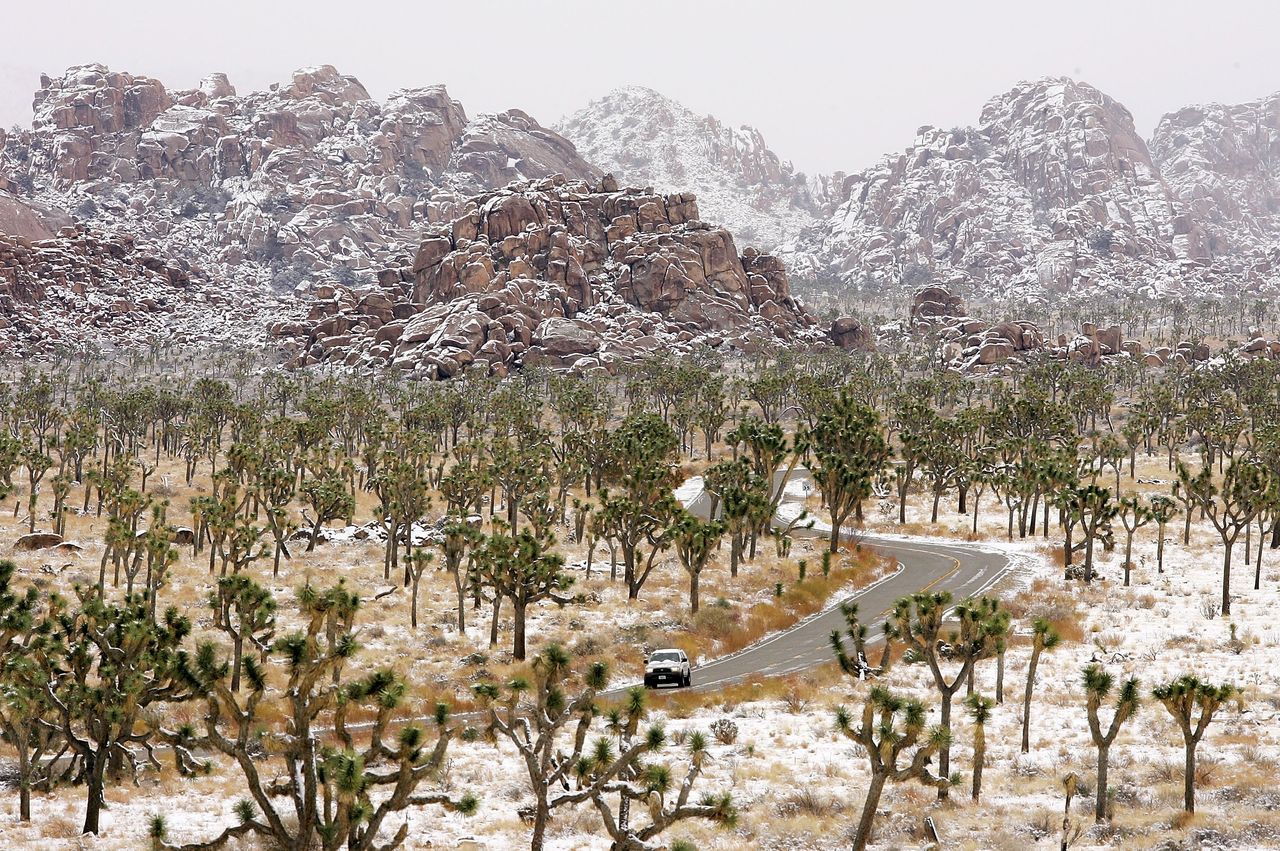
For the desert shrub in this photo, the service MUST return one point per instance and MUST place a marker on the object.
(1099, 240)
(715, 620)
(725, 731)
(807, 801)
(795, 700)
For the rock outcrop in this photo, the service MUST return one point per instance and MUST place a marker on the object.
(1223, 165)
(313, 175)
(647, 139)
(85, 289)
(1054, 193)
(310, 181)
(556, 273)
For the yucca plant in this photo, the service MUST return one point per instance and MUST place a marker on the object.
(1183, 698)
(1097, 686)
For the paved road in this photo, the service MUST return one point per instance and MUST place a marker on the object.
(963, 570)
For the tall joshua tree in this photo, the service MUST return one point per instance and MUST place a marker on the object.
(334, 794)
(889, 728)
(856, 665)
(694, 540)
(847, 450)
(108, 668)
(1244, 491)
(1097, 685)
(25, 715)
(1133, 516)
(1043, 637)
(1182, 698)
(538, 715)
(1163, 509)
(919, 621)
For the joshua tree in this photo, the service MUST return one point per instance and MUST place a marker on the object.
(106, 668)
(638, 508)
(457, 539)
(1246, 489)
(326, 798)
(918, 620)
(1133, 516)
(980, 710)
(1097, 685)
(245, 611)
(523, 569)
(1092, 508)
(847, 448)
(37, 464)
(26, 720)
(537, 730)
(1183, 697)
(329, 498)
(1163, 509)
(740, 499)
(856, 665)
(889, 727)
(1044, 637)
(694, 541)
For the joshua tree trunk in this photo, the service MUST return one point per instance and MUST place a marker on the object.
(1226, 577)
(493, 626)
(1189, 778)
(24, 784)
(238, 645)
(462, 601)
(315, 533)
(1000, 675)
(979, 758)
(944, 753)
(1026, 701)
(518, 613)
(693, 592)
(541, 816)
(1100, 804)
(413, 605)
(94, 780)
(863, 834)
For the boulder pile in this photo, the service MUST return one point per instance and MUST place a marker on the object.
(559, 273)
(85, 288)
(973, 345)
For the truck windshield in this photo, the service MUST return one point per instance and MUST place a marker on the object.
(665, 657)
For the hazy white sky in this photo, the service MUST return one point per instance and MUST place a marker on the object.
(832, 85)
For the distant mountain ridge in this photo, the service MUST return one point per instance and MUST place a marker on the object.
(137, 212)
(643, 137)
(1052, 192)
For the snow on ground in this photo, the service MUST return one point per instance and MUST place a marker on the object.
(798, 784)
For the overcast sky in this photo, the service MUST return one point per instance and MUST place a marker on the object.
(832, 85)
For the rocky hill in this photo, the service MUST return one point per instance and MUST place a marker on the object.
(1055, 193)
(1222, 163)
(556, 273)
(83, 290)
(138, 213)
(644, 138)
(311, 180)
(312, 176)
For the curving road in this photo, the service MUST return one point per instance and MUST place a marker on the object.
(964, 570)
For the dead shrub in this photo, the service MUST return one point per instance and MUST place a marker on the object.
(807, 801)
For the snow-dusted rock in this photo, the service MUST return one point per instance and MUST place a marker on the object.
(647, 139)
(563, 274)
